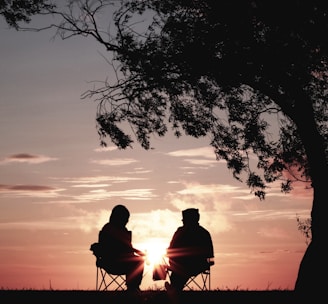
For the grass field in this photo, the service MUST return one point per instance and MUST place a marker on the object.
(147, 297)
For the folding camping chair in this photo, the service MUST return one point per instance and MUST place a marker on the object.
(201, 281)
(105, 279)
(108, 281)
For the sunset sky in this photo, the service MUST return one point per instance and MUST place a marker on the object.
(58, 186)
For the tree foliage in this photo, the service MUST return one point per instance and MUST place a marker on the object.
(16, 11)
(304, 226)
(205, 68)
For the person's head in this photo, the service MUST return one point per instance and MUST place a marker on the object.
(119, 216)
(190, 216)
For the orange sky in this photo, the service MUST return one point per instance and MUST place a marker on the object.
(57, 186)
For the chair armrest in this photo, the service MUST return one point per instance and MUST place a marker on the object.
(96, 249)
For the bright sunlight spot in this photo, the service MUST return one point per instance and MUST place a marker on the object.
(155, 250)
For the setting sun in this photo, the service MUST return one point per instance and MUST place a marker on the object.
(155, 250)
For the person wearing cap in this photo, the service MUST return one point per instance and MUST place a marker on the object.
(189, 251)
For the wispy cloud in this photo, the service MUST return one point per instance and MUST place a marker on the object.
(201, 162)
(30, 190)
(203, 156)
(114, 162)
(139, 171)
(198, 189)
(268, 214)
(206, 152)
(130, 194)
(105, 149)
(273, 232)
(27, 158)
(93, 181)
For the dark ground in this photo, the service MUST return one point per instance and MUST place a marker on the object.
(147, 297)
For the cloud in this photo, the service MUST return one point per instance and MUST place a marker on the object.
(268, 215)
(143, 225)
(300, 190)
(211, 200)
(105, 149)
(202, 162)
(159, 223)
(91, 186)
(130, 194)
(206, 152)
(30, 190)
(27, 158)
(196, 188)
(203, 197)
(139, 171)
(115, 162)
(85, 221)
(96, 181)
(273, 232)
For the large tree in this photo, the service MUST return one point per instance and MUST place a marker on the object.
(223, 69)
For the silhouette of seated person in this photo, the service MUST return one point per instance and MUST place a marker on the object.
(189, 251)
(118, 254)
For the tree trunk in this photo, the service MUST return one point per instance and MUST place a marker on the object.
(311, 278)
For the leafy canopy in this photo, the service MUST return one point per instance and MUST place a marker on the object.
(16, 11)
(242, 73)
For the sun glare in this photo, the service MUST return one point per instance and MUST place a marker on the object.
(155, 250)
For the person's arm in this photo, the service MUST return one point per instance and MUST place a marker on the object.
(139, 252)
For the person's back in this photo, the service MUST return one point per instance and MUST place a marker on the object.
(119, 256)
(189, 250)
(116, 243)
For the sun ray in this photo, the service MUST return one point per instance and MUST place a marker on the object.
(155, 250)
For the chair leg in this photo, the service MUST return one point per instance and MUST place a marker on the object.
(119, 280)
(102, 285)
(205, 284)
(106, 280)
(97, 278)
(205, 278)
